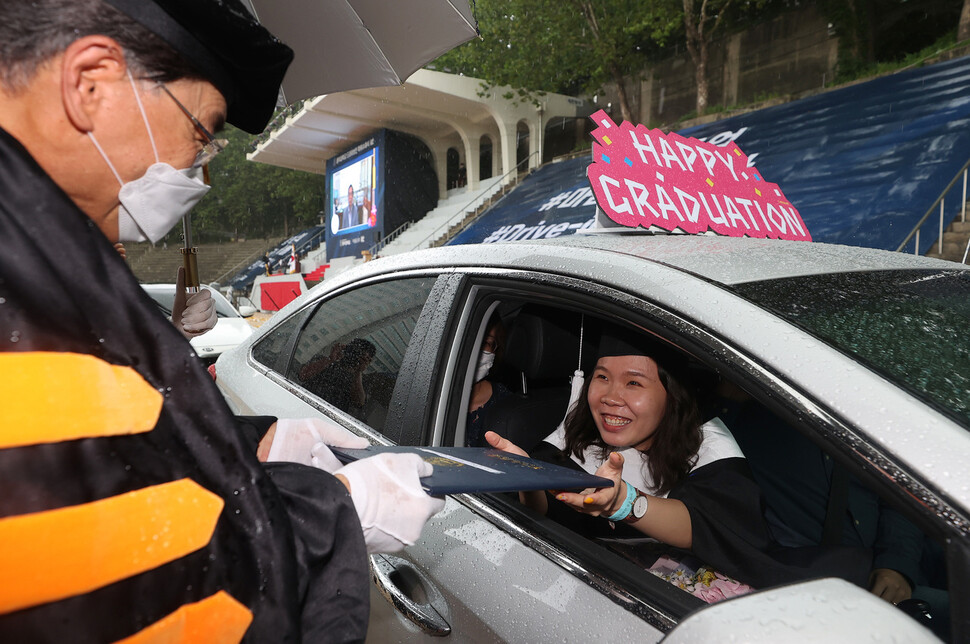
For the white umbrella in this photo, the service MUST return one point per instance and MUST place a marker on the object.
(352, 44)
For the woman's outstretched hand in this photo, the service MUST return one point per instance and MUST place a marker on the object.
(533, 499)
(601, 501)
(504, 444)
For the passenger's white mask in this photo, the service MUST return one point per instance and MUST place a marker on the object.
(154, 202)
(485, 362)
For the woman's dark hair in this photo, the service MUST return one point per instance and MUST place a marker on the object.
(675, 442)
(33, 32)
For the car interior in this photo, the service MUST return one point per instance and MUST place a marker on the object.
(547, 343)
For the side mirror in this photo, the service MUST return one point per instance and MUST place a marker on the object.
(822, 610)
(245, 306)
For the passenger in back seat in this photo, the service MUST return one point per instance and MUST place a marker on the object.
(486, 391)
(679, 482)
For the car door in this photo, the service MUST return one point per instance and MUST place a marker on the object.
(657, 607)
(487, 569)
(478, 575)
(464, 577)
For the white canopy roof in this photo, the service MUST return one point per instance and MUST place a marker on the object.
(443, 110)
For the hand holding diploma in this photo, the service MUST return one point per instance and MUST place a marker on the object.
(601, 501)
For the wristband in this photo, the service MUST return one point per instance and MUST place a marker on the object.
(627, 506)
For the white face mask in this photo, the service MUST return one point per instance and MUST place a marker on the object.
(485, 362)
(154, 202)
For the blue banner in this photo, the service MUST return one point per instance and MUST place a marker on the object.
(554, 200)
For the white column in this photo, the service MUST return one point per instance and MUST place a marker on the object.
(508, 147)
(496, 155)
(535, 132)
(473, 149)
(440, 153)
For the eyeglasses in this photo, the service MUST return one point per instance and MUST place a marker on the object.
(211, 147)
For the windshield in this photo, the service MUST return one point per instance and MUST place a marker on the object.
(166, 298)
(912, 326)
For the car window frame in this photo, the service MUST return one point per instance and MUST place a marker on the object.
(891, 479)
(412, 402)
(276, 372)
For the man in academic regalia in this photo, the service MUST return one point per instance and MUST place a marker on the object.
(133, 506)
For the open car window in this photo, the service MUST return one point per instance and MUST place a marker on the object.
(795, 470)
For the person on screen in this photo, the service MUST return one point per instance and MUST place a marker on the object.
(352, 215)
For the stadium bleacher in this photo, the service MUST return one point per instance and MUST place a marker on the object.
(862, 163)
(304, 241)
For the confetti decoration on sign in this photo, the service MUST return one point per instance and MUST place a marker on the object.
(673, 182)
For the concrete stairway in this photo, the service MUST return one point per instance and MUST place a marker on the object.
(955, 239)
(450, 211)
(159, 265)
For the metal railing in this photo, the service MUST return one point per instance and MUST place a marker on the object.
(941, 203)
(259, 253)
(506, 187)
(314, 241)
(376, 248)
(239, 266)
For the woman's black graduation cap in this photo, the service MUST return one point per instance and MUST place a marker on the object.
(227, 45)
(623, 341)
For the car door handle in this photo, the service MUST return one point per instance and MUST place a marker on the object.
(411, 593)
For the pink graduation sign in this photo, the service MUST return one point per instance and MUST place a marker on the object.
(646, 178)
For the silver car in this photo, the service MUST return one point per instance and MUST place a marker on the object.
(862, 353)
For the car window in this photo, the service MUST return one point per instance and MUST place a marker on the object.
(273, 349)
(223, 308)
(909, 325)
(351, 349)
(164, 300)
(794, 473)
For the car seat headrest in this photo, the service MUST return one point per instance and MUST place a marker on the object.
(544, 343)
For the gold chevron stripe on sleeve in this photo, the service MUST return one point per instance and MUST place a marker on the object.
(52, 555)
(217, 619)
(52, 397)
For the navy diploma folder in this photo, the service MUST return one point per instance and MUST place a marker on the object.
(459, 470)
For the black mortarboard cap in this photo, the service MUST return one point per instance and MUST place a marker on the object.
(621, 341)
(227, 45)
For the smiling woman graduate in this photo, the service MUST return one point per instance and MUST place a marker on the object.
(676, 480)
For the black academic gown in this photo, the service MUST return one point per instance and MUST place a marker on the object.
(728, 529)
(287, 545)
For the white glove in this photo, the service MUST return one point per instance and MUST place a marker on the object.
(390, 502)
(192, 313)
(305, 440)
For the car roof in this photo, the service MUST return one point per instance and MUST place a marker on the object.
(725, 260)
(732, 260)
